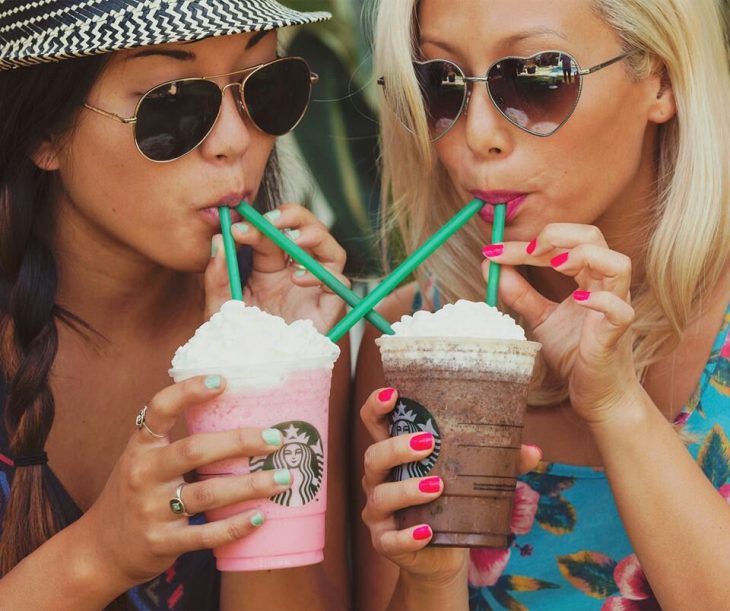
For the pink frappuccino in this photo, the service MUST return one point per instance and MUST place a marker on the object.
(278, 376)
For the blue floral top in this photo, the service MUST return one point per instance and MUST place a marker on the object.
(570, 549)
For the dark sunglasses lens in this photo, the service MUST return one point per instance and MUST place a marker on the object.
(537, 93)
(174, 118)
(277, 95)
(443, 88)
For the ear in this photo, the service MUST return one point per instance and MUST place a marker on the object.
(663, 107)
(46, 156)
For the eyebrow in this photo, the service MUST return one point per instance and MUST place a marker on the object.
(189, 56)
(514, 38)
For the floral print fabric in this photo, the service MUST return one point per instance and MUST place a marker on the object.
(569, 549)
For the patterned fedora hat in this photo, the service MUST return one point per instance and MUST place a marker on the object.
(41, 31)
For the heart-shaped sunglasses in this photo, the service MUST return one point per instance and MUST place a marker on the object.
(175, 117)
(538, 93)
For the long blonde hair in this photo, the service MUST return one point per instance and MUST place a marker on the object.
(689, 242)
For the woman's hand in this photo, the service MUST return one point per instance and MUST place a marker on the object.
(276, 285)
(586, 338)
(384, 497)
(131, 526)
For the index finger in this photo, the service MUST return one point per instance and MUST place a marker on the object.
(165, 407)
(375, 410)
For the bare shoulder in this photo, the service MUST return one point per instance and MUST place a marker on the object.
(672, 380)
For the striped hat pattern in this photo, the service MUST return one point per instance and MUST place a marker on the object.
(41, 31)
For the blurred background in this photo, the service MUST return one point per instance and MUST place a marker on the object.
(330, 161)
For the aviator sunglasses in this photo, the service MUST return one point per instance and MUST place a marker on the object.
(174, 118)
(538, 93)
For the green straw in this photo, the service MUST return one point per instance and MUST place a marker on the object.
(229, 246)
(500, 216)
(315, 267)
(400, 273)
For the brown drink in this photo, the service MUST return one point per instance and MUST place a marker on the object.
(471, 393)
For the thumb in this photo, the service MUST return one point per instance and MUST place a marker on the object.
(517, 294)
(217, 289)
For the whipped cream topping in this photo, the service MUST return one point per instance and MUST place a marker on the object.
(461, 319)
(240, 336)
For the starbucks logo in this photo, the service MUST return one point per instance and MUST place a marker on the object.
(303, 455)
(411, 417)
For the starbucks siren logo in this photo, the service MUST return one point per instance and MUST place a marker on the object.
(411, 417)
(301, 453)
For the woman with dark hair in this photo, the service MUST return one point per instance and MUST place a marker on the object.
(124, 126)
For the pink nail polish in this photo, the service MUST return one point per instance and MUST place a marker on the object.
(493, 250)
(430, 485)
(559, 260)
(421, 442)
(581, 295)
(531, 246)
(385, 395)
(422, 532)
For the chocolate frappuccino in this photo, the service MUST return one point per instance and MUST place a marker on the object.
(471, 393)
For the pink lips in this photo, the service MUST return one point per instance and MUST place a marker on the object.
(211, 215)
(513, 199)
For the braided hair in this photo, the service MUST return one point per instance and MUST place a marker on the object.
(39, 104)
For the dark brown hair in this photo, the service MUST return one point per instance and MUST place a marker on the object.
(37, 104)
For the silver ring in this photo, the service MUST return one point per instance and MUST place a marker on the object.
(176, 504)
(141, 424)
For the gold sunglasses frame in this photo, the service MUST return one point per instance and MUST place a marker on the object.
(240, 100)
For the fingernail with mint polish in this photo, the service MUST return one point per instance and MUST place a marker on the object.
(272, 215)
(581, 295)
(213, 249)
(300, 273)
(272, 437)
(257, 519)
(430, 485)
(293, 234)
(531, 246)
(422, 532)
(241, 227)
(559, 260)
(212, 382)
(421, 442)
(282, 477)
(493, 250)
(386, 395)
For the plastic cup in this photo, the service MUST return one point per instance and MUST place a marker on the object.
(294, 398)
(471, 394)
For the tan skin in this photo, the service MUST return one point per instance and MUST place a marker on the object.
(134, 256)
(610, 420)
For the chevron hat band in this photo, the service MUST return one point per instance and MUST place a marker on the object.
(41, 31)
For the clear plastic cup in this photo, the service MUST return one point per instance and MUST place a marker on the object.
(294, 398)
(471, 394)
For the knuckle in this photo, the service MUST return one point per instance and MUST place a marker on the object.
(138, 476)
(154, 541)
(370, 459)
(594, 234)
(235, 530)
(191, 450)
(206, 536)
(624, 263)
(203, 495)
(376, 497)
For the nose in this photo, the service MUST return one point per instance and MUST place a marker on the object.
(231, 135)
(487, 131)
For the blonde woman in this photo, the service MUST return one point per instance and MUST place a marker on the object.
(615, 258)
